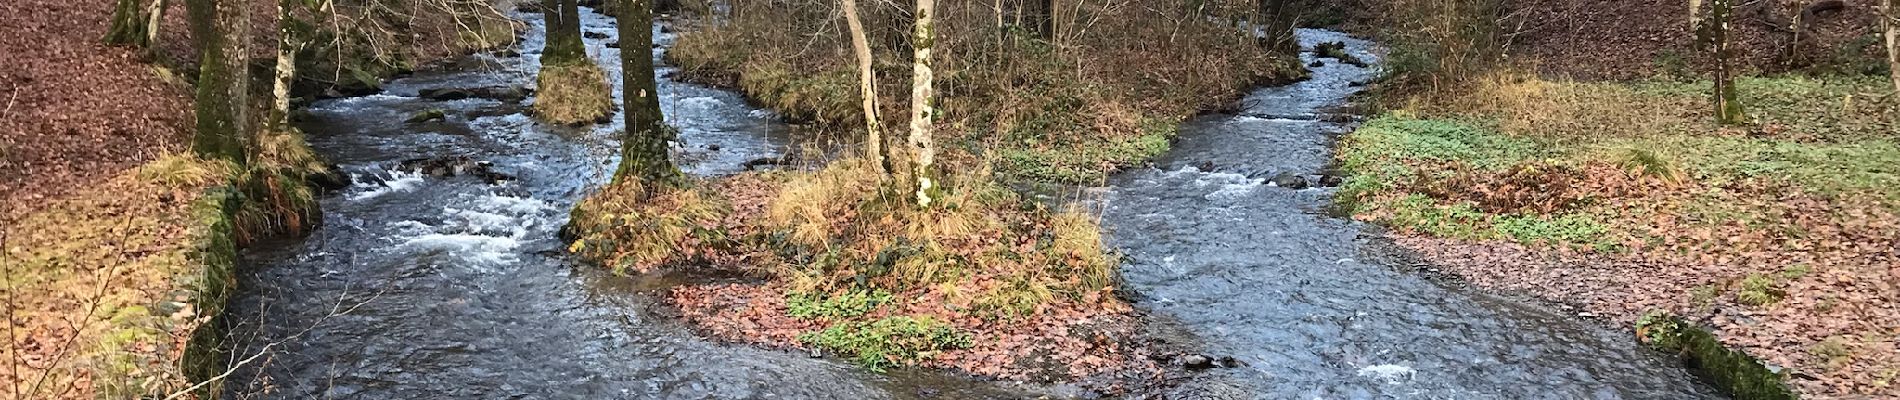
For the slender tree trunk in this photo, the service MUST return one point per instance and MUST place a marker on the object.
(643, 148)
(1890, 22)
(155, 17)
(922, 149)
(867, 89)
(222, 79)
(286, 70)
(563, 44)
(1276, 24)
(1728, 106)
(1039, 18)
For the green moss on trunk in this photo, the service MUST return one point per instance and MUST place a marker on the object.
(643, 149)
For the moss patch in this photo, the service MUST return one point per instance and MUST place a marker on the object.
(1732, 371)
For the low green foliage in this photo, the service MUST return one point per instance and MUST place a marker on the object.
(1760, 290)
(889, 342)
(1562, 229)
(849, 304)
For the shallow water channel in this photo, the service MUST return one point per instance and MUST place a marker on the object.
(420, 286)
(1264, 274)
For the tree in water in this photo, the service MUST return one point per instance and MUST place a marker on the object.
(220, 27)
(922, 147)
(643, 147)
(136, 24)
(867, 89)
(571, 88)
(1712, 35)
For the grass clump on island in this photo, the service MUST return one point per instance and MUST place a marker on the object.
(1632, 188)
(108, 286)
(572, 93)
(1069, 108)
(986, 282)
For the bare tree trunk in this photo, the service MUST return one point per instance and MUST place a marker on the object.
(643, 147)
(1276, 21)
(286, 70)
(922, 149)
(130, 22)
(867, 88)
(154, 17)
(222, 79)
(1890, 22)
(1039, 18)
(563, 24)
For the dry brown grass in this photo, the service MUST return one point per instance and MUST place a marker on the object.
(100, 286)
(572, 94)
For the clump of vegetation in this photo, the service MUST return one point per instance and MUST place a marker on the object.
(889, 342)
(849, 304)
(631, 229)
(572, 93)
(1832, 352)
(1337, 51)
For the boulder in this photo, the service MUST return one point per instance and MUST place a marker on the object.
(1331, 180)
(593, 35)
(433, 114)
(1289, 180)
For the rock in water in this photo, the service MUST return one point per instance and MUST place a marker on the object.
(1197, 361)
(1289, 180)
(594, 35)
(1331, 180)
(613, 45)
(433, 114)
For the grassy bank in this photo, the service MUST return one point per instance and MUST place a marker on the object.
(1625, 198)
(987, 283)
(110, 290)
(1103, 92)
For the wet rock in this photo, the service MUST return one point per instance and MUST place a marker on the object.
(499, 93)
(1205, 166)
(330, 179)
(433, 114)
(1331, 180)
(1228, 362)
(508, 53)
(667, 28)
(1197, 361)
(1316, 64)
(613, 45)
(1289, 180)
(593, 35)
(762, 162)
(444, 167)
(713, 147)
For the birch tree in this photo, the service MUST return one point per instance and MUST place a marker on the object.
(220, 27)
(867, 88)
(922, 148)
(643, 146)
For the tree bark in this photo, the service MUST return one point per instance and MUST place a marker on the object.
(922, 148)
(1728, 106)
(221, 26)
(130, 24)
(1039, 18)
(563, 23)
(1890, 23)
(1276, 25)
(867, 89)
(286, 70)
(643, 147)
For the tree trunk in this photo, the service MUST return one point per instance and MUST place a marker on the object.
(1728, 106)
(221, 26)
(130, 24)
(286, 70)
(1890, 22)
(867, 89)
(1276, 25)
(1039, 18)
(643, 148)
(922, 150)
(563, 44)
(154, 18)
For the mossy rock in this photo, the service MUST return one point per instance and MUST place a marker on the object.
(1732, 371)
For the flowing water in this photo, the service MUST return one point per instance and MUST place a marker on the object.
(1263, 274)
(422, 286)
(430, 287)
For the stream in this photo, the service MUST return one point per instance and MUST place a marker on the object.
(420, 286)
(428, 284)
(1262, 273)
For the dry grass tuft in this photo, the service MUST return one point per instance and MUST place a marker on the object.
(572, 94)
(633, 230)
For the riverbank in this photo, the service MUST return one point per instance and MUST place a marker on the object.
(1624, 201)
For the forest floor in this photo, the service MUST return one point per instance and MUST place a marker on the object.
(97, 223)
(1621, 199)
